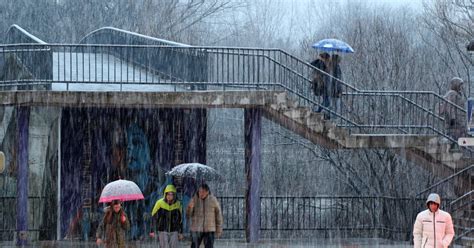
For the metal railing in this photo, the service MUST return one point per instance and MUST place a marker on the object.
(16, 34)
(389, 215)
(361, 111)
(442, 186)
(222, 68)
(36, 212)
(460, 207)
(393, 216)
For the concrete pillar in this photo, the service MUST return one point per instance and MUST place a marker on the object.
(253, 135)
(23, 114)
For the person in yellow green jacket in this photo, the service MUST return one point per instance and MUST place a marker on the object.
(167, 219)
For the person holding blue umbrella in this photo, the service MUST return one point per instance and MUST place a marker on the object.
(321, 79)
(332, 79)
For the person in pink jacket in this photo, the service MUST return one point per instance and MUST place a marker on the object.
(433, 226)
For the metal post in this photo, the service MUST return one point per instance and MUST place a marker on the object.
(253, 134)
(23, 114)
(58, 202)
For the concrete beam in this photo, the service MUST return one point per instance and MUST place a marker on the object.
(200, 99)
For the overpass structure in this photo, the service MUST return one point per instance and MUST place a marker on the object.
(113, 68)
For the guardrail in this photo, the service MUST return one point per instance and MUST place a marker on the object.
(389, 215)
(25, 61)
(35, 219)
(221, 68)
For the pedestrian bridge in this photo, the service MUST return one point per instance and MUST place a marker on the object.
(112, 60)
(113, 68)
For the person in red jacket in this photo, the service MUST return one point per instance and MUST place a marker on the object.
(433, 227)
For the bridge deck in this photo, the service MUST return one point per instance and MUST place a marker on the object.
(103, 72)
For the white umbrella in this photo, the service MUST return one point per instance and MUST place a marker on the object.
(198, 171)
(122, 190)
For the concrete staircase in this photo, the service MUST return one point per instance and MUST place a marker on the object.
(427, 150)
(463, 218)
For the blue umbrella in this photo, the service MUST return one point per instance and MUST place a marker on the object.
(333, 45)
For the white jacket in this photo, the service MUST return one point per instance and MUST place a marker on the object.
(430, 227)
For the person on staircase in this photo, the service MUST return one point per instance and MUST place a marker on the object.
(454, 117)
(335, 85)
(321, 80)
(433, 227)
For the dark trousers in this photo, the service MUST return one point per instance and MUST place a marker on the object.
(199, 237)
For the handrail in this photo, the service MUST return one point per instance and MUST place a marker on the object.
(23, 35)
(132, 34)
(462, 197)
(289, 66)
(360, 92)
(445, 180)
(216, 47)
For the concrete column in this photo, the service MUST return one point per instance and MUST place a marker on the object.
(23, 114)
(253, 135)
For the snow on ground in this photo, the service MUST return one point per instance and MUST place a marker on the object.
(103, 72)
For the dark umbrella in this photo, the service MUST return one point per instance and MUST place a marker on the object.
(122, 190)
(197, 171)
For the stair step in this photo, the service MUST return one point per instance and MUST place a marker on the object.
(467, 241)
(311, 125)
(463, 228)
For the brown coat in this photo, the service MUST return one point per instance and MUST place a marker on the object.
(455, 119)
(114, 228)
(206, 216)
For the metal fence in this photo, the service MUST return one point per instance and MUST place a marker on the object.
(216, 68)
(36, 212)
(394, 216)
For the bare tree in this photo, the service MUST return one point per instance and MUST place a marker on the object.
(69, 21)
(449, 25)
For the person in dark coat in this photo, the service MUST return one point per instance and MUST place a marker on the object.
(113, 226)
(167, 218)
(321, 79)
(455, 122)
(335, 86)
